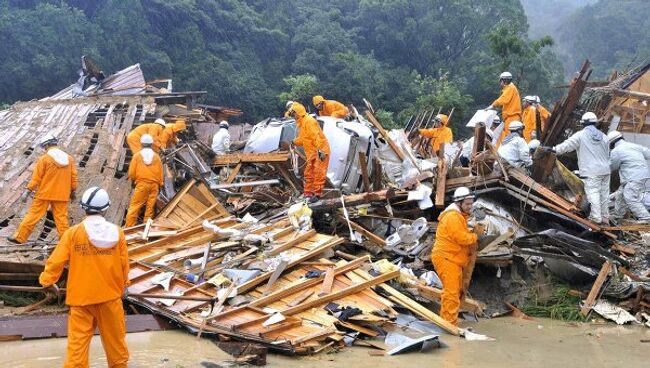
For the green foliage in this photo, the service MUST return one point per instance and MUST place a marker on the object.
(561, 305)
(386, 119)
(400, 55)
(301, 88)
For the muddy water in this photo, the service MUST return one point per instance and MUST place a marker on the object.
(539, 343)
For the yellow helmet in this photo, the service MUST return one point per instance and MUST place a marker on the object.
(317, 100)
(298, 110)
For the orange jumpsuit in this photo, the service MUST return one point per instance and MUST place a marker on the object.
(510, 104)
(53, 182)
(529, 119)
(544, 115)
(449, 256)
(153, 129)
(148, 177)
(97, 276)
(334, 109)
(440, 135)
(168, 136)
(311, 138)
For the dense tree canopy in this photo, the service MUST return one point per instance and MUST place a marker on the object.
(254, 54)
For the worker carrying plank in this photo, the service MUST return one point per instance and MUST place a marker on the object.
(593, 163)
(514, 148)
(154, 129)
(451, 251)
(169, 136)
(317, 151)
(98, 269)
(631, 162)
(440, 133)
(331, 108)
(509, 102)
(221, 139)
(53, 185)
(146, 172)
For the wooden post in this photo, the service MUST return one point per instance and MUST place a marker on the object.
(441, 180)
(384, 134)
(595, 289)
(363, 162)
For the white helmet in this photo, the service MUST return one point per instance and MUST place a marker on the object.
(530, 99)
(224, 124)
(614, 135)
(589, 118)
(48, 140)
(146, 139)
(95, 200)
(288, 104)
(160, 121)
(532, 145)
(462, 193)
(496, 119)
(505, 75)
(537, 99)
(515, 125)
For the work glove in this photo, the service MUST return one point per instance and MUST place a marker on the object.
(547, 148)
(321, 155)
(28, 193)
(53, 290)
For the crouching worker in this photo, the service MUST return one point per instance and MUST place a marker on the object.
(451, 250)
(98, 268)
(146, 171)
(54, 181)
(317, 151)
(514, 148)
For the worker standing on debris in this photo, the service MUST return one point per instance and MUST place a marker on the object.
(331, 108)
(98, 270)
(168, 137)
(450, 254)
(509, 102)
(221, 139)
(146, 171)
(514, 148)
(593, 162)
(317, 151)
(630, 161)
(530, 116)
(440, 133)
(154, 129)
(54, 181)
(544, 114)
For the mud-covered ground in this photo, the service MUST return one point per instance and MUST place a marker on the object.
(519, 343)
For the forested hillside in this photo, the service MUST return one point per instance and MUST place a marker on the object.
(400, 54)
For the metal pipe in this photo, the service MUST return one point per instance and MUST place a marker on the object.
(245, 184)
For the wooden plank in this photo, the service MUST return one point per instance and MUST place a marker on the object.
(441, 180)
(299, 299)
(542, 190)
(365, 232)
(326, 288)
(236, 158)
(275, 275)
(363, 162)
(595, 289)
(377, 173)
(291, 243)
(385, 135)
(435, 294)
(233, 174)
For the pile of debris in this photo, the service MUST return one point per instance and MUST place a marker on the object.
(234, 252)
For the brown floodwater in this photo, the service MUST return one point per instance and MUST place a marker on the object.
(520, 343)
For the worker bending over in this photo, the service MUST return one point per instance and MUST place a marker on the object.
(98, 269)
(451, 250)
(317, 151)
(630, 161)
(593, 162)
(439, 134)
(509, 102)
(146, 171)
(331, 108)
(154, 129)
(514, 148)
(169, 136)
(54, 181)
(221, 139)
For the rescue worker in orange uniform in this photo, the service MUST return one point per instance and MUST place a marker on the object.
(450, 254)
(543, 113)
(317, 151)
(509, 102)
(154, 129)
(440, 133)
(331, 108)
(530, 116)
(146, 171)
(54, 181)
(98, 269)
(168, 137)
